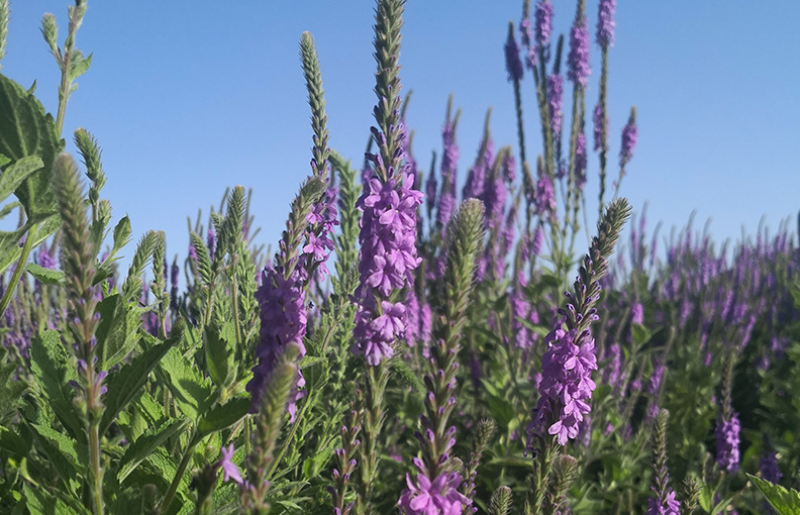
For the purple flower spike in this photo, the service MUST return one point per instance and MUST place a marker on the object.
(629, 136)
(513, 63)
(578, 59)
(605, 23)
(544, 22)
(440, 496)
(555, 99)
(727, 434)
(600, 119)
(671, 506)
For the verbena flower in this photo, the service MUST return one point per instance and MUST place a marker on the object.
(513, 62)
(671, 506)
(229, 469)
(447, 197)
(727, 434)
(580, 161)
(544, 22)
(600, 120)
(578, 60)
(555, 99)
(605, 23)
(437, 497)
(768, 464)
(629, 136)
(567, 386)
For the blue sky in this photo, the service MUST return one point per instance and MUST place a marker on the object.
(187, 97)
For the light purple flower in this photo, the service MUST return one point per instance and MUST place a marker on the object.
(727, 434)
(629, 136)
(671, 506)
(437, 497)
(578, 59)
(600, 119)
(513, 63)
(555, 99)
(229, 468)
(606, 23)
(580, 161)
(544, 22)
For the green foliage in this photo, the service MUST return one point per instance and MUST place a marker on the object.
(785, 502)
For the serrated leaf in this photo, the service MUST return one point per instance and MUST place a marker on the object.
(12, 442)
(122, 234)
(640, 334)
(147, 444)
(219, 354)
(25, 130)
(404, 371)
(125, 385)
(785, 502)
(223, 416)
(45, 275)
(14, 175)
(41, 502)
(190, 390)
(69, 449)
(9, 241)
(79, 65)
(50, 364)
(117, 332)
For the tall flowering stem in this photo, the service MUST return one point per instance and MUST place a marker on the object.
(566, 386)
(630, 134)
(388, 255)
(437, 482)
(604, 39)
(78, 259)
(515, 73)
(663, 501)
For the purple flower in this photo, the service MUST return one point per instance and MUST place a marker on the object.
(567, 385)
(727, 434)
(520, 311)
(545, 198)
(670, 506)
(526, 35)
(554, 97)
(637, 313)
(769, 463)
(629, 136)
(605, 23)
(45, 258)
(229, 468)
(447, 199)
(544, 22)
(513, 63)
(578, 59)
(437, 497)
(475, 185)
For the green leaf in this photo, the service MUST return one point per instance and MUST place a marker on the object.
(79, 65)
(41, 502)
(223, 416)
(15, 175)
(785, 502)
(122, 234)
(147, 444)
(190, 390)
(404, 371)
(640, 334)
(219, 354)
(9, 241)
(125, 385)
(25, 130)
(64, 452)
(51, 368)
(12, 442)
(117, 333)
(45, 275)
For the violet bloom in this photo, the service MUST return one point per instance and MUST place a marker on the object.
(567, 385)
(388, 259)
(526, 35)
(727, 434)
(578, 59)
(671, 506)
(475, 185)
(513, 63)
(447, 199)
(637, 313)
(606, 23)
(544, 23)
(283, 321)
(629, 136)
(437, 497)
(600, 119)
(545, 198)
(768, 465)
(229, 468)
(45, 258)
(520, 310)
(211, 239)
(555, 98)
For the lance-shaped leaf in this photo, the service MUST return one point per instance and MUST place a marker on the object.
(125, 385)
(785, 502)
(45, 275)
(219, 346)
(51, 368)
(146, 444)
(117, 332)
(40, 501)
(223, 416)
(190, 390)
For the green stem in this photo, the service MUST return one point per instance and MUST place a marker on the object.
(176, 481)
(20, 268)
(94, 458)
(288, 440)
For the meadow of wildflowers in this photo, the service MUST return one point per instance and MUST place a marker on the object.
(418, 343)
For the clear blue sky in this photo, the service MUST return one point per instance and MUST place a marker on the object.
(188, 97)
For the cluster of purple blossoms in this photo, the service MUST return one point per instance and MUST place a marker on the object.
(437, 497)
(768, 464)
(283, 322)
(513, 62)
(670, 506)
(545, 201)
(45, 259)
(419, 321)
(447, 199)
(387, 262)
(475, 185)
(526, 35)
(727, 434)
(567, 386)
(629, 136)
(555, 98)
(544, 23)
(578, 59)
(605, 23)
(322, 220)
